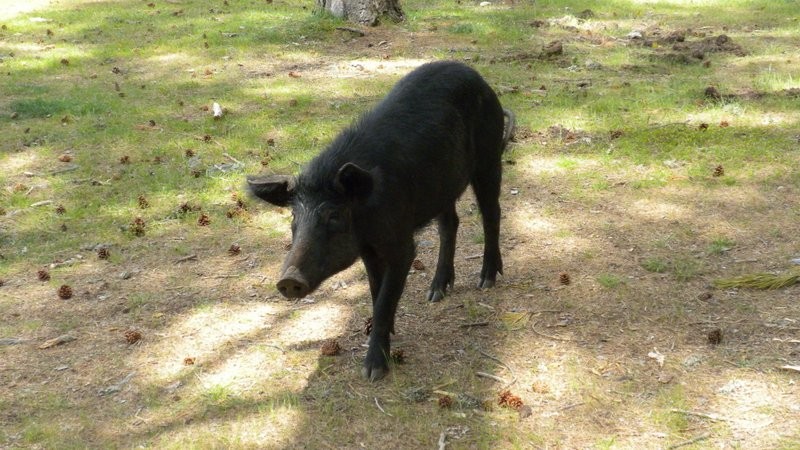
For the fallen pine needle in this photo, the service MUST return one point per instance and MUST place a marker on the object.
(766, 281)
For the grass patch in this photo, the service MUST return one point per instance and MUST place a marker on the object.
(609, 280)
(684, 269)
(656, 265)
(720, 246)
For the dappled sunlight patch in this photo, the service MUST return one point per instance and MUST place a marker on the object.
(275, 222)
(371, 67)
(158, 65)
(274, 429)
(16, 163)
(203, 335)
(533, 223)
(247, 369)
(651, 209)
(740, 117)
(558, 165)
(318, 322)
(751, 405)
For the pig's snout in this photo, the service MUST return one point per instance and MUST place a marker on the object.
(292, 284)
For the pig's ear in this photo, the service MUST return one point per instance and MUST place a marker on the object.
(275, 189)
(353, 181)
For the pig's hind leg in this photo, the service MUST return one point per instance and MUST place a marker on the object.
(486, 185)
(445, 272)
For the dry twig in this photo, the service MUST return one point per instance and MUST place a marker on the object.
(352, 30)
(712, 417)
(379, 407)
(192, 257)
(493, 377)
(702, 437)
(497, 360)
(473, 324)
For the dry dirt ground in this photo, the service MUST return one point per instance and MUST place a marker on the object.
(604, 353)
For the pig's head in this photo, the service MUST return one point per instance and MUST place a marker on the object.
(323, 236)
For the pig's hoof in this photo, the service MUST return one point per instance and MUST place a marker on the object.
(374, 373)
(486, 283)
(435, 295)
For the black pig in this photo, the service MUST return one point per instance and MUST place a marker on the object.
(401, 165)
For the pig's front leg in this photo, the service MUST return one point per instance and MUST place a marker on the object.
(384, 306)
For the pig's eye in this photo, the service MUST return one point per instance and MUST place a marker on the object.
(336, 222)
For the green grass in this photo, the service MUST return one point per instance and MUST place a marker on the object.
(656, 265)
(609, 280)
(720, 245)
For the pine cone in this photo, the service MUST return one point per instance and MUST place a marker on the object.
(137, 227)
(398, 355)
(65, 292)
(330, 348)
(189, 153)
(188, 361)
(715, 336)
(368, 326)
(418, 265)
(445, 401)
(234, 250)
(204, 220)
(509, 400)
(719, 171)
(43, 275)
(143, 203)
(103, 253)
(563, 278)
(60, 209)
(133, 336)
(125, 159)
(540, 387)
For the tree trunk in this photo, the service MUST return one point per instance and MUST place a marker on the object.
(363, 11)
